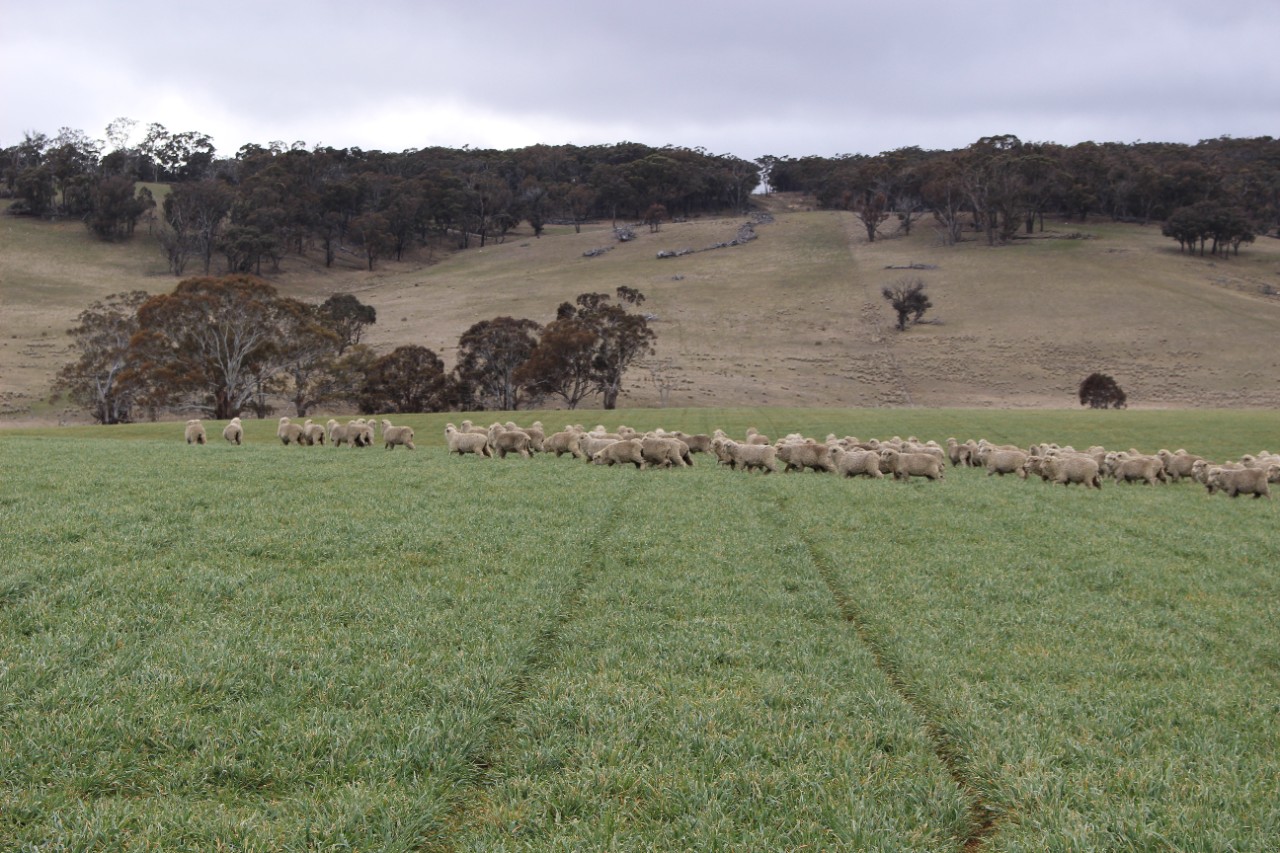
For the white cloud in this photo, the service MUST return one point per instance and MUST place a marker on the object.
(743, 77)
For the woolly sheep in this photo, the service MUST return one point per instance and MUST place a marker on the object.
(506, 441)
(854, 463)
(393, 436)
(700, 443)
(808, 454)
(1177, 465)
(1147, 469)
(664, 452)
(1240, 481)
(537, 437)
(361, 432)
(312, 433)
(756, 437)
(590, 445)
(339, 434)
(565, 441)
(957, 453)
(907, 465)
(749, 456)
(194, 433)
(1072, 469)
(466, 442)
(1034, 466)
(234, 432)
(289, 433)
(621, 452)
(1006, 462)
(720, 449)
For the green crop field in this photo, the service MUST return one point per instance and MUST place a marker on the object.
(268, 648)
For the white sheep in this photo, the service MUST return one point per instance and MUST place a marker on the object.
(462, 443)
(798, 455)
(194, 433)
(288, 432)
(664, 452)
(393, 436)
(855, 463)
(1240, 481)
(1006, 462)
(312, 433)
(907, 465)
(621, 452)
(752, 456)
(1075, 468)
(234, 432)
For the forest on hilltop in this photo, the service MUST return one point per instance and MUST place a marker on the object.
(244, 213)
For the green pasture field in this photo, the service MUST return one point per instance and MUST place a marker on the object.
(271, 648)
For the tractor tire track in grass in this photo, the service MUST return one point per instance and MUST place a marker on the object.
(983, 817)
(486, 763)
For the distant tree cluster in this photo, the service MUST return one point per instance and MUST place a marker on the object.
(1000, 185)
(237, 214)
(1222, 228)
(232, 345)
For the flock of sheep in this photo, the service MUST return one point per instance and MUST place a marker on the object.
(899, 458)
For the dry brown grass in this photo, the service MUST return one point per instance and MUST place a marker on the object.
(792, 319)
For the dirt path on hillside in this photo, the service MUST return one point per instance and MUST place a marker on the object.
(873, 328)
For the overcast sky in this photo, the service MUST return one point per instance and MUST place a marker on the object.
(746, 78)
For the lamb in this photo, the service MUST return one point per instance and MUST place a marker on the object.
(854, 463)
(749, 456)
(621, 452)
(1006, 462)
(1147, 469)
(234, 432)
(289, 433)
(1240, 481)
(1072, 469)
(807, 454)
(466, 442)
(396, 435)
(907, 465)
(194, 433)
(565, 441)
(664, 452)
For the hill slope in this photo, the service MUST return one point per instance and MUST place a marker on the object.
(794, 318)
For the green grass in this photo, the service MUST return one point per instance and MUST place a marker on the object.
(278, 648)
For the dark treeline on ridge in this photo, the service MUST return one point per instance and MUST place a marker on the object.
(246, 212)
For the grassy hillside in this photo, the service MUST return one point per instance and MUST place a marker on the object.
(792, 319)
